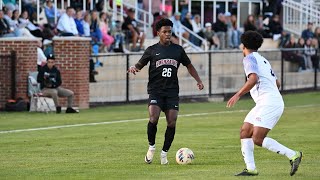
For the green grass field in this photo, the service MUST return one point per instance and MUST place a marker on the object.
(117, 150)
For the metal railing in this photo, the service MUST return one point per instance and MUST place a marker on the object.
(221, 72)
(296, 15)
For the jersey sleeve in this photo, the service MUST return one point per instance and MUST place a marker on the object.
(184, 58)
(144, 59)
(250, 65)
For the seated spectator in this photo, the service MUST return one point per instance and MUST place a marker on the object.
(50, 80)
(196, 27)
(11, 4)
(187, 21)
(220, 28)
(5, 30)
(25, 22)
(307, 33)
(118, 38)
(210, 36)
(50, 10)
(17, 25)
(95, 32)
(275, 27)
(249, 24)
(86, 25)
(104, 28)
(177, 29)
(78, 20)
(293, 56)
(66, 25)
(130, 25)
(31, 7)
(310, 55)
(317, 36)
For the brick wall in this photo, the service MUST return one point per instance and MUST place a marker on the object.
(72, 59)
(26, 61)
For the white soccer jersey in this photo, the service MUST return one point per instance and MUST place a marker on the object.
(265, 92)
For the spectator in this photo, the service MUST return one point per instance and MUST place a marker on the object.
(50, 80)
(66, 25)
(86, 25)
(31, 7)
(317, 35)
(196, 26)
(235, 33)
(104, 28)
(220, 27)
(250, 24)
(177, 28)
(95, 32)
(293, 56)
(11, 4)
(42, 59)
(25, 22)
(210, 36)
(17, 25)
(315, 60)
(184, 6)
(5, 30)
(78, 21)
(133, 32)
(275, 27)
(307, 33)
(187, 21)
(50, 10)
(309, 54)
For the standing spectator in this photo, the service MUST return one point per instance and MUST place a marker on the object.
(130, 25)
(221, 28)
(250, 24)
(66, 25)
(106, 38)
(235, 38)
(317, 35)
(50, 10)
(5, 30)
(140, 7)
(307, 33)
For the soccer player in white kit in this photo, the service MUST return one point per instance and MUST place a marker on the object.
(264, 90)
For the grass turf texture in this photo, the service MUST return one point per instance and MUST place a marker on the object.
(116, 151)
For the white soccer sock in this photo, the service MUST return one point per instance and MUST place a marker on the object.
(152, 147)
(276, 147)
(247, 147)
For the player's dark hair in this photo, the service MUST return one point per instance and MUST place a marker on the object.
(163, 22)
(251, 40)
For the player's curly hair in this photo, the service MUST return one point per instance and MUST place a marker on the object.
(163, 22)
(251, 40)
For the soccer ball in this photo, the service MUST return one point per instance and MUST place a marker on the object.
(184, 156)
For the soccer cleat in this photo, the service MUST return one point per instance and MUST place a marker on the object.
(149, 157)
(163, 158)
(295, 161)
(71, 110)
(247, 172)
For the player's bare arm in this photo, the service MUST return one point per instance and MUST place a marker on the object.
(134, 69)
(278, 84)
(252, 80)
(193, 72)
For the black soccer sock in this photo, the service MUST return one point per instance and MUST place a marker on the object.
(152, 131)
(168, 138)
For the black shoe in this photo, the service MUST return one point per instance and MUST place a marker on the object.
(58, 109)
(71, 110)
(295, 163)
(247, 172)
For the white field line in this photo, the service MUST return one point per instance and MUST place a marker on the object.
(131, 120)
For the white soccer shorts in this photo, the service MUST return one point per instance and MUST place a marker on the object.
(265, 116)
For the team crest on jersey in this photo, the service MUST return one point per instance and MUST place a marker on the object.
(153, 101)
(167, 62)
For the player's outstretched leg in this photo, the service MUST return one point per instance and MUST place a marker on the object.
(294, 156)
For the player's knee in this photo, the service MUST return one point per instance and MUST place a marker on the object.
(171, 124)
(245, 133)
(257, 140)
